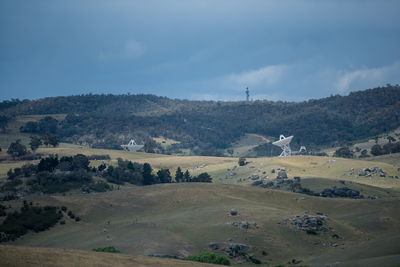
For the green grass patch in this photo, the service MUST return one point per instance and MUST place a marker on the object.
(209, 257)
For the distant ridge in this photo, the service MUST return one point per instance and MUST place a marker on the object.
(210, 125)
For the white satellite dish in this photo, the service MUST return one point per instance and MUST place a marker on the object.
(132, 146)
(283, 143)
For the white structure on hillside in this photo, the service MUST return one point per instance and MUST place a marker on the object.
(283, 143)
(132, 146)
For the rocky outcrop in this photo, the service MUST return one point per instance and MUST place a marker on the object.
(309, 223)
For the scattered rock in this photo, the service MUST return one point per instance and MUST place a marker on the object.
(255, 177)
(272, 170)
(241, 225)
(372, 171)
(282, 174)
(233, 212)
(309, 223)
(213, 245)
(257, 183)
(239, 180)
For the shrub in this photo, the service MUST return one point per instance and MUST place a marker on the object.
(254, 260)
(77, 219)
(99, 157)
(100, 186)
(110, 249)
(29, 218)
(209, 257)
(343, 152)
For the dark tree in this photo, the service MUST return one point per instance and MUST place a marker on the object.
(3, 122)
(50, 139)
(186, 176)
(35, 142)
(17, 149)
(148, 177)
(376, 150)
(164, 176)
(179, 175)
(150, 146)
(48, 124)
(80, 161)
(204, 178)
(48, 164)
(343, 152)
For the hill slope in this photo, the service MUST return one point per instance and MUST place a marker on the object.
(181, 219)
(32, 257)
(204, 126)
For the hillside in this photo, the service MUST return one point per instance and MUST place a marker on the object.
(181, 219)
(32, 257)
(207, 127)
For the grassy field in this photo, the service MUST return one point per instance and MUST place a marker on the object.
(13, 256)
(181, 219)
(246, 143)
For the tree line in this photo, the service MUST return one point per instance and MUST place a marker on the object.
(208, 127)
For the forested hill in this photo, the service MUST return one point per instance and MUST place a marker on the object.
(108, 120)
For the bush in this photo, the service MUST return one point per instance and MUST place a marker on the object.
(209, 257)
(242, 161)
(29, 218)
(99, 157)
(110, 249)
(100, 186)
(17, 149)
(343, 152)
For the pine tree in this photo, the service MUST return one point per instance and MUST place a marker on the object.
(179, 175)
(187, 177)
(148, 178)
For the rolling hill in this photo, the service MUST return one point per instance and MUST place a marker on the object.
(207, 127)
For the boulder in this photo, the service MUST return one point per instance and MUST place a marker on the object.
(241, 225)
(255, 177)
(233, 212)
(282, 174)
(213, 245)
(272, 170)
(256, 183)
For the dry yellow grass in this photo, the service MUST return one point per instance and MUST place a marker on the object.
(16, 256)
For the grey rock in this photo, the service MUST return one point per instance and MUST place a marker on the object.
(282, 174)
(256, 183)
(255, 177)
(213, 245)
(233, 212)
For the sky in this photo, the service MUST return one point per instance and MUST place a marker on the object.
(199, 50)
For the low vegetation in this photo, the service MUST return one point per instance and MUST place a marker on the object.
(209, 257)
(30, 217)
(110, 249)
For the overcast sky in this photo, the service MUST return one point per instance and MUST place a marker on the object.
(204, 49)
